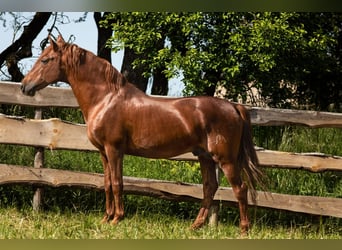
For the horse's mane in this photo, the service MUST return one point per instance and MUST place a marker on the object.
(78, 56)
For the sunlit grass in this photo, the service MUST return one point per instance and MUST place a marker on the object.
(27, 224)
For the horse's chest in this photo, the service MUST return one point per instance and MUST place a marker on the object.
(102, 131)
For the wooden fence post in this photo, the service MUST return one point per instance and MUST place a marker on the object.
(38, 163)
(214, 209)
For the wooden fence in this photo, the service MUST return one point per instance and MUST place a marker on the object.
(56, 134)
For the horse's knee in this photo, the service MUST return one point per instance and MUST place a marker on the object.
(214, 186)
(210, 187)
(209, 191)
(107, 187)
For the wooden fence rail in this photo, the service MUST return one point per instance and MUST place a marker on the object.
(56, 134)
(63, 97)
(176, 191)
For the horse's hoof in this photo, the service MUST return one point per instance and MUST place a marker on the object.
(243, 234)
(104, 220)
(197, 224)
(115, 221)
(244, 227)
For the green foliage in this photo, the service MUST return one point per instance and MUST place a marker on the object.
(323, 140)
(289, 57)
(66, 114)
(162, 169)
(301, 140)
(17, 110)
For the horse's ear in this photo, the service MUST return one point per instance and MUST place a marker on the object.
(60, 40)
(53, 43)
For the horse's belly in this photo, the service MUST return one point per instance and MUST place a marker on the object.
(157, 148)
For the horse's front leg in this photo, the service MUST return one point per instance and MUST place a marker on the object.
(115, 161)
(109, 213)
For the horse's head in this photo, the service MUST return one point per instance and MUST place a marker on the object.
(46, 70)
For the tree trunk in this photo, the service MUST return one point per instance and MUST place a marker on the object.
(135, 75)
(160, 83)
(213, 77)
(103, 35)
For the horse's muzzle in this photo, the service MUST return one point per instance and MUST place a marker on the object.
(27, 90)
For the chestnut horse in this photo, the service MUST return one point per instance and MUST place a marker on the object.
(123, 120)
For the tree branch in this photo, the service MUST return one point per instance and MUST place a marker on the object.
(22, 47)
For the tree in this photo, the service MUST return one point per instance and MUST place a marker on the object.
(289, 57)
(28, 27)
(21, 48)
(136, 63)
(103, 34)
(320, 82)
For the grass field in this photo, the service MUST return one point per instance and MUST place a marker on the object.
(76, 213)
(152, 224)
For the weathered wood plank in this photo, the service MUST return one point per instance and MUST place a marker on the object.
(63, 97)
(177, 191)
(52, 133)
(10, 93)
(276, 117)
(56, 134)
(314, 162)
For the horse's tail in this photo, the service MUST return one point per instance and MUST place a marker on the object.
(247, 158)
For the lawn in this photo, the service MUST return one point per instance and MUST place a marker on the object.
(27, 224)
(76, 213)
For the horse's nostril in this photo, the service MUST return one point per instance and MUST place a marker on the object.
(22, 87)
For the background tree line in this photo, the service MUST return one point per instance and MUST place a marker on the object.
(290, 58)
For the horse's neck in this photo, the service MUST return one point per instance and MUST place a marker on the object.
(91, 87)
(88, 84)
(130, 91)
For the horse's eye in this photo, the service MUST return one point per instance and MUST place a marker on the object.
(45, 61)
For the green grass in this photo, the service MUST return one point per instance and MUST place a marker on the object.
(75, 213)
(322, 140)
(27, 224)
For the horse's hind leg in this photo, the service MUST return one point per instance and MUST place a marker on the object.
(233, 174)
(210, 186)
